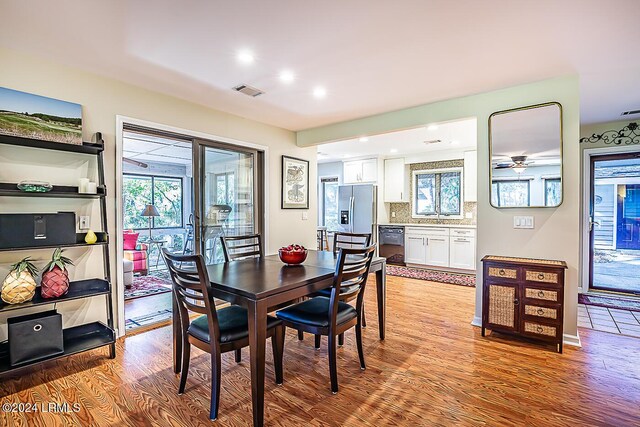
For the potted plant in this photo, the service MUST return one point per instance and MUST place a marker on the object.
(20, 286)
(55, 277)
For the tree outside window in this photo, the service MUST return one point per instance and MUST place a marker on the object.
(438, 193)
(165, 193)
(552, 192)
(510, 193)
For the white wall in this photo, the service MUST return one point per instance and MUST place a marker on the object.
(102, 99)
(557, 232)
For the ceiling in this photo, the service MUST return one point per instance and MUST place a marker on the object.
(156, 149)
(371, 57)
(455, 136)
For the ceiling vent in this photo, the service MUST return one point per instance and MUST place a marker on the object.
(630, 112)
(248, 90)
(432, 141)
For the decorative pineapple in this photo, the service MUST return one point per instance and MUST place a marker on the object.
(20, 286)
(55, 277)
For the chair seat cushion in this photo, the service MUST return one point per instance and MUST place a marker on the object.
(233, 322)
(326, 292)
(315, 312)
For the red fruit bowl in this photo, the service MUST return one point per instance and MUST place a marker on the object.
(292, 257)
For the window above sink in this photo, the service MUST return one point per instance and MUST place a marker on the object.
(437, 193)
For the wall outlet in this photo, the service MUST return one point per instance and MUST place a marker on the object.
(469, 215)
(83, 223)
(305, 215)
(393, 214)
(523, 222)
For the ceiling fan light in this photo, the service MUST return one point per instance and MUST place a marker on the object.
(519, 169)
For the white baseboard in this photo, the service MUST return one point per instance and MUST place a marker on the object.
(477, 321)
(572, 340)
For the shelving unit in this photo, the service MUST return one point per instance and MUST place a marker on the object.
(91, 335)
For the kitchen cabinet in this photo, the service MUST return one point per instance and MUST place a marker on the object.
(441, 247)
(359, 171)
(395, 181)
(470, 176)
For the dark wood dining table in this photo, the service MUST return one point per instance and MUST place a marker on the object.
(262, 284)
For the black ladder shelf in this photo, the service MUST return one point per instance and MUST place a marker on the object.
(90, 335)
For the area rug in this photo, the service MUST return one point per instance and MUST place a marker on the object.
(609, 302)
(156, 282)
(460, 279)
(148, 319)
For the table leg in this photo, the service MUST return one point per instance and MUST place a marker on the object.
(257, 337)
(177, 335)
(381, 288)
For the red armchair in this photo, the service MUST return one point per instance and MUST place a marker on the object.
(138, 253)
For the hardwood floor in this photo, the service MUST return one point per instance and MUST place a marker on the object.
(433, 369)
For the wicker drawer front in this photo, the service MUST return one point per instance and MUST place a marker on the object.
(506, 273)
(538, 329)
(541, 294)
(543, 277)
(546, 312)
(501, 306)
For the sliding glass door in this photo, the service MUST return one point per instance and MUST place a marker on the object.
(229, 200)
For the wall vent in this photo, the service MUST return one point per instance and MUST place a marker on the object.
(432, 141)
(248, 90)
(630, 112)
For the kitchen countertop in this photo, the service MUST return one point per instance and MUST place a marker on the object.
(429, 225)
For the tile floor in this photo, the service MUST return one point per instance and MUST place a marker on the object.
(623, 322)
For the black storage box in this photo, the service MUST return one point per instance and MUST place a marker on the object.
(27, 230)
(35, 336)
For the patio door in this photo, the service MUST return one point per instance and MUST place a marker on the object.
(615, 223)
(228, 195)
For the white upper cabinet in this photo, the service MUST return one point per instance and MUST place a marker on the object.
(395, 181)
(470, 176)
(360, 171)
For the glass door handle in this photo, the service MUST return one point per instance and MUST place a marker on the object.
(592, 223)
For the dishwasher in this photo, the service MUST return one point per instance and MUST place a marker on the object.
(391, 241)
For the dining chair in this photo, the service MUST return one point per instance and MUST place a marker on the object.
(240, 247)
(348, 241)
(331, 316)
(216, 331)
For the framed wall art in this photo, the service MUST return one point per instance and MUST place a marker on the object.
(295, 183)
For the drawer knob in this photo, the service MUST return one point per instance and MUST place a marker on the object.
(516, 302)
(540, 294)
(540, 276)
(540, 311)
(539, 329)
(501, 272)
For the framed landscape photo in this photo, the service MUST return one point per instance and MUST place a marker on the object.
(295, 183)
(38, 117)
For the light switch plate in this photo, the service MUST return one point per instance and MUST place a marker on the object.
(523, 222)
(305, 215)
(83, 223)
(393, 214)
(469, 215)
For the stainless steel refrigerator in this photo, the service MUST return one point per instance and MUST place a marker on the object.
(357, 209)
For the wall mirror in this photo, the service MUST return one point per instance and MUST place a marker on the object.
(525, 147)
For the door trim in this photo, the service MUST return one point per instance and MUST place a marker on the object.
(118, 278)
(585, 235)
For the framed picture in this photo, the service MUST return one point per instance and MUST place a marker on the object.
(295, 183)
(37, 117)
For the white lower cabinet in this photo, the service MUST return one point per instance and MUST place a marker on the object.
(440, 247)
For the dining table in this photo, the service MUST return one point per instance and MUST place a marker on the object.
(264, 284)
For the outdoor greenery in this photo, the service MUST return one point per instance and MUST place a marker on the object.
(164, 193)
(41, 126)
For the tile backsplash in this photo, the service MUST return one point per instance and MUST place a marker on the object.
(403, 210)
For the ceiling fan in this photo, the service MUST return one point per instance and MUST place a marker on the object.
(135, 162)
(518, 164)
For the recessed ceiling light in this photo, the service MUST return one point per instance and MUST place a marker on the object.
(432, 127)
(319, 92)
(246, 57)
(393, 150)
(454, 142)
(364, 139)
(287, 76)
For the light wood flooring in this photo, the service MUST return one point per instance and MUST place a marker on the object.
(433, 369)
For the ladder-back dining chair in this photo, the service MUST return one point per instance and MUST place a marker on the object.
(240, 247)
(216, 331)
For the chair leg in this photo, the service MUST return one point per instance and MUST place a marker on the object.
(239, 355)
(364, 321)
(215, 385)
(300, 335)
(341, 340)
(277, 344)
(317, 342)
(359, 344)
(186, 355)
(333, 362)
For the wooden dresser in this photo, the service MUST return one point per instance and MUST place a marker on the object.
(524, 297)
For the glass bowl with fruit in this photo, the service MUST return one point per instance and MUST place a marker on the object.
(292, 254)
